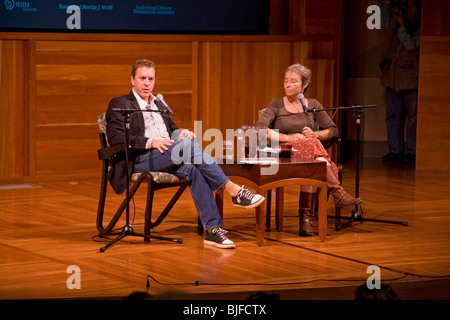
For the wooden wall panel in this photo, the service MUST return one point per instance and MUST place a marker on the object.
(75, 80)
(53, 85)
(99, 52)
(15, 118)
(209, 83)
(238, 79)
(433, 132)
(322, 82)
(252, 77)
(67, 151)
(435, 21)
(320, 17)
(220, 82)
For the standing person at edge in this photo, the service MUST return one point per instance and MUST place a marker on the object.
(297, 127)
(151, 150)
(400, 74)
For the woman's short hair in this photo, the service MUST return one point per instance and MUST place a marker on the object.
(304, 72)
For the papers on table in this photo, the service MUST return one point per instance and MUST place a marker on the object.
(266, 160)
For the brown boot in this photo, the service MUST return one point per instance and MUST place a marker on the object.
(341, 198)
(306, 209)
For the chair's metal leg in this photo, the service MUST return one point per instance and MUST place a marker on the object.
(169, 206)
(148, 209)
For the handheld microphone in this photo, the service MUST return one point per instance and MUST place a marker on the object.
(160, 97)
(301, 97)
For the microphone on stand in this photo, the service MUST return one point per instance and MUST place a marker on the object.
(131, 111)
(301, 97)
(160, 97)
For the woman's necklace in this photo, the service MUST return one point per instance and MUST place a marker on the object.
(299, 109)
(292, 103)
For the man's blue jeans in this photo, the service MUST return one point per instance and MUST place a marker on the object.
(401, 108)
(187, 160)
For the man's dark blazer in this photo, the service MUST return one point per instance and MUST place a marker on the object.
(116, 135)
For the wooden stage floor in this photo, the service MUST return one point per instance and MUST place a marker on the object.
(50, 226)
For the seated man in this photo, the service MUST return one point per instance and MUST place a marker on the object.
(152, 149)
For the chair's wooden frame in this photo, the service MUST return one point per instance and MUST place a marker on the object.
(280, 193)
(105, 154)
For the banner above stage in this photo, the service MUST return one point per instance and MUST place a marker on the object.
(136, 16)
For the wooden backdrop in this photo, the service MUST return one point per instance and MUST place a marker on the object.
(53, 86)
(433, 131)
(54, 90)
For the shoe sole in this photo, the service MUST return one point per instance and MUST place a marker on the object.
(350, 205)
(219, 245)
(250, 206)
(306, 234)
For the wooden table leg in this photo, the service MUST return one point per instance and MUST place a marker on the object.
(279, 209)
(268, 208)
(260, 215)
(322, 212)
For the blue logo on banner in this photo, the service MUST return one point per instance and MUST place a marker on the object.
(9, 4)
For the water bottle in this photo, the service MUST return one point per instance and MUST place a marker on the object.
(240, 145)
(253, 142)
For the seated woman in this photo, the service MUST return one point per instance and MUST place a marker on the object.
(297, 127)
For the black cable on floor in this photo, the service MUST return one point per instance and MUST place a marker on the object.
(403, 274)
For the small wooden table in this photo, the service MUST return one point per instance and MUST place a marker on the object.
(290, 171)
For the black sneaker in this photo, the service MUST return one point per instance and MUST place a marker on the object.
(246, 199)
(410, 158)
(218, 238)
(392, 157)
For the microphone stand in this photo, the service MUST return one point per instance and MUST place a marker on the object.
(127, 230)
(357, 214)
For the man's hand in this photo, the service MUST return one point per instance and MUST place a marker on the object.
(161, 144)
